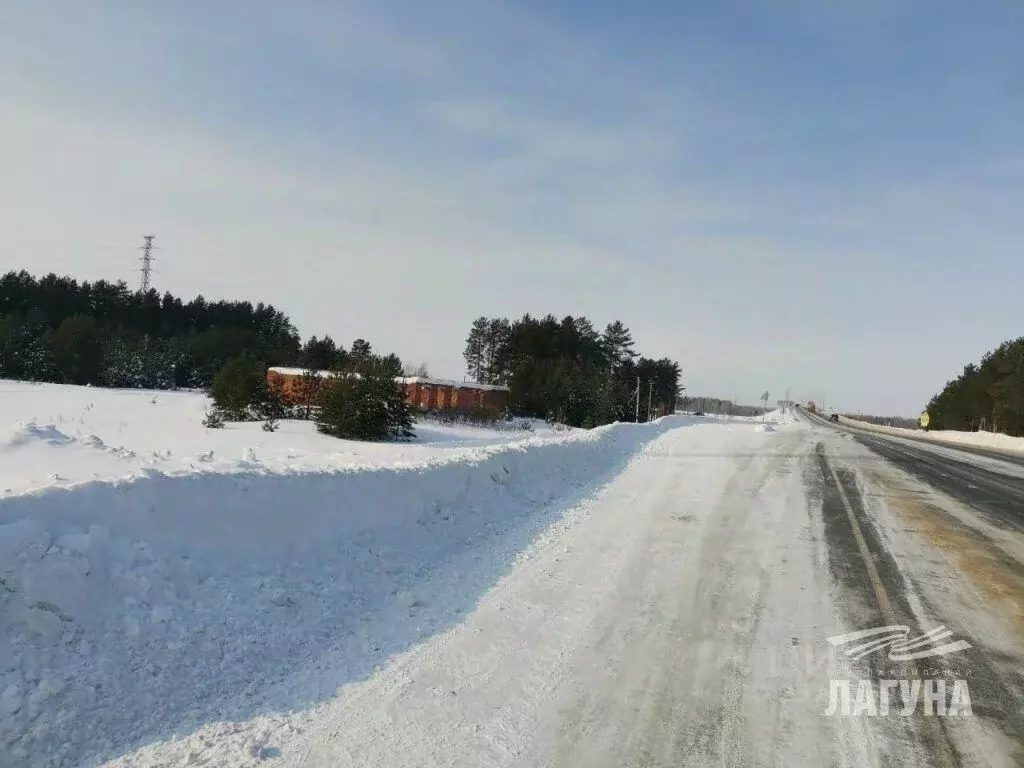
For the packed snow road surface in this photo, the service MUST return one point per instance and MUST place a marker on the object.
(680, 618)
(648, 595)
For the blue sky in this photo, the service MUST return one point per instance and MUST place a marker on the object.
(822, 196)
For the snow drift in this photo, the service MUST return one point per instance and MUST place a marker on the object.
(992, 441)
(134, 610)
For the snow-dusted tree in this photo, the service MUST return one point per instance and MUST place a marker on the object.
(123, 363)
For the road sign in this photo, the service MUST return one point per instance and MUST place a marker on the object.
(924, 420)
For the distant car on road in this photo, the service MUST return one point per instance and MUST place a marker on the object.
(698, 413)
(834, 417)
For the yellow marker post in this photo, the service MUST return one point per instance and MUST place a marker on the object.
(924, 420)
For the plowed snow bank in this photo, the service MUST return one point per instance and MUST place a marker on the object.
(134, 610)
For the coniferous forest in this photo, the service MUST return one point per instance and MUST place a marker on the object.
(989, 395)
(567, 371)
(57, 329)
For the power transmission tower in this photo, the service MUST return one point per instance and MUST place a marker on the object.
(147, 263)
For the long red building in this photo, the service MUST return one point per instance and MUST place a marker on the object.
(422, 393)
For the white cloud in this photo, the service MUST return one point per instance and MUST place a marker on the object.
(371, 176)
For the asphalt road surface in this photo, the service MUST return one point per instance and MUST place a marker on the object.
(945, 530)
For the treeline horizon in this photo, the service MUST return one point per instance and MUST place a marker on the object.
(60, 330)
(717, 405)
(985, 396)
(902, 422)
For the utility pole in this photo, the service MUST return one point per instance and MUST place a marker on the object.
(637, 417)
(147, 263)
(650, 393)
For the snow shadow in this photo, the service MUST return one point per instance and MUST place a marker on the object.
(136, 612)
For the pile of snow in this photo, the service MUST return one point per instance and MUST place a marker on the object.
(52, 434)
(989, 440)
(778, 419)
(155, 575)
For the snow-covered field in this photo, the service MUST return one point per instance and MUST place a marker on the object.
(53, 435)
(157, 576)
(990, 440)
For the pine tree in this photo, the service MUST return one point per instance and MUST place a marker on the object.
(475, 348)
(322, 354)
(371, 406)
(240, 388)
(618, 344)
(388, 365)
(77, 349)
(399, 417)
(361, 353)
(497, 351)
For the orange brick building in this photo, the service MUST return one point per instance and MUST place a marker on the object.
(422, 393)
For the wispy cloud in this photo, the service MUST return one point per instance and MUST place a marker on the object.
(743, 206)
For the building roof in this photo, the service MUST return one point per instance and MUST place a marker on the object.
(300, 372)
(451, 383)
(421, 380)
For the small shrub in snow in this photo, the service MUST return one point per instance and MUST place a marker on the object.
(270, 406)
(476, 416)
(213, 419)
(270, 425)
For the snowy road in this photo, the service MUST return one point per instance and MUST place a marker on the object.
(652, 595)
(632, 636)
(680, 619)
